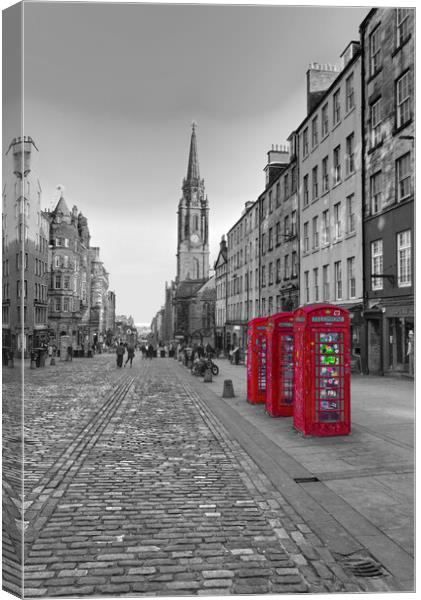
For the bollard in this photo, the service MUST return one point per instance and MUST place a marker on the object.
(228, 391)
(52, 361)
(208, 376)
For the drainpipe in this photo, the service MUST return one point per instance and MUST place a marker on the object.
(364, 358)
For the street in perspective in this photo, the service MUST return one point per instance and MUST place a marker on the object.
(146, 481)
(208, 323)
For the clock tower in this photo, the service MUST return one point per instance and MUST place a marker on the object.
(193, 223)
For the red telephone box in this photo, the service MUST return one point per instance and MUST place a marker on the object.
(256, 360)
(322, 370)
(279, 365)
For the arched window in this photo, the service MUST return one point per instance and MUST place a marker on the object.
(195, 223)
(196, 269)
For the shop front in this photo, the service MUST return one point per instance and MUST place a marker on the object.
(389, 339)
(399, 340)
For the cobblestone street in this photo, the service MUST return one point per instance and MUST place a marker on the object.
(133, 487)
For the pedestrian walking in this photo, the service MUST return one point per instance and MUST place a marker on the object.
(120, 353)
(130, 355)
(150, 351)
(410, 352)
(70, 353)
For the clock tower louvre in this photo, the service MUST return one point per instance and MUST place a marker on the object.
(193, 222)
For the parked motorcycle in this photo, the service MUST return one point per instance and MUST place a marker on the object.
(199, 367)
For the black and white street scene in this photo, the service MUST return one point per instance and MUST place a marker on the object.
(208, 333)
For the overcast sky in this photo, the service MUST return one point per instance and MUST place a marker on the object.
(110, 94)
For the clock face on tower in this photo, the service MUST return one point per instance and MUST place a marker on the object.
(194, 238)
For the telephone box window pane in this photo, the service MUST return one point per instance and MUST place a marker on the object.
(329, 376)
(261, 374)
(286, 364)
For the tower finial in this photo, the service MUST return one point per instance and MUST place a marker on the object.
(193, 125)
(193, 165)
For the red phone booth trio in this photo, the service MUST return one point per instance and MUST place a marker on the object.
(298, 364)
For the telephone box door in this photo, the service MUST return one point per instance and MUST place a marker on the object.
(280, 381)
(256, 360)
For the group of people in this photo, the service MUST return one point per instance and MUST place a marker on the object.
(147, 351)
(120, 352)
(194, 352)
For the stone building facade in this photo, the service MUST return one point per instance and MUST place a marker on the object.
(69, 274)
(80, 305)
(387, 40)
(25, 253)
(221, 275)
(330, 194)
(279, 250)
(99, 297)
(243, 258)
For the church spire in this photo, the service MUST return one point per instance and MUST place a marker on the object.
(193, 167)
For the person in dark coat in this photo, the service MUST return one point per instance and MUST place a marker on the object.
(120, 353)
(130, 355)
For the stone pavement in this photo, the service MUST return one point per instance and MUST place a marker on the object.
(366, 480)
(135, 485)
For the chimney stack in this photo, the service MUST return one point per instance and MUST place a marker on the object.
(319, 79)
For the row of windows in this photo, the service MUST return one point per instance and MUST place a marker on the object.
(403, 186)
(40, 314)
(276, 271)
(324, 117)
(403, 261)
(244, 310)
(41, 244)
(327, 234)
(402, 33)
(64, 282)
(326, 173)
(287, 231)
(288, 186)
(220, 317)
(63, 261)
(403, 110)
(320, 289)
(40, 290)
(272, 273)
(63, 304)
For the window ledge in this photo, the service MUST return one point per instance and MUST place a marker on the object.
(373, 148)
(336, 125)
(337, 241)
(374, 75)
(351, 234)
(401, 45)
(351, 110)
(397, 129)
(349, 175)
